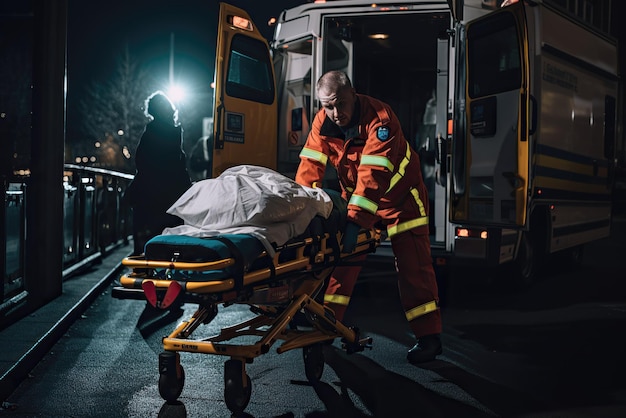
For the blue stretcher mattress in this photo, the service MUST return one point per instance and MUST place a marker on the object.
(245, 249)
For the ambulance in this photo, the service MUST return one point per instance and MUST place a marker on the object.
(512, 109)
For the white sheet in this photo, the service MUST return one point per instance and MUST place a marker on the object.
(252, 200)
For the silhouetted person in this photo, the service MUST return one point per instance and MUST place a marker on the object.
(161, 175)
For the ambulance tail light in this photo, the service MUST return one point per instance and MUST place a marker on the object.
(471, 233)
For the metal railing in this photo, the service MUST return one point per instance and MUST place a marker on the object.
(95, 221)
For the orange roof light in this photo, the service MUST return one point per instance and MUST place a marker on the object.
(241, 23)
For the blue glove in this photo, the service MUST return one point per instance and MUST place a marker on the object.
(348, 241)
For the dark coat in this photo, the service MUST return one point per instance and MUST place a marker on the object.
(161, 176)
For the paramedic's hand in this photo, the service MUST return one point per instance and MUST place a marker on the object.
(348, 242)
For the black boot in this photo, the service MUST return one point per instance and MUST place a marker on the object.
(426, 349)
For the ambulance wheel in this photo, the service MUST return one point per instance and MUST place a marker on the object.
(527, 264)
(313, 362)
(171, 376)
(236, 393)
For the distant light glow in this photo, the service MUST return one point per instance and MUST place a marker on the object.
(176, 93)
(120, 132)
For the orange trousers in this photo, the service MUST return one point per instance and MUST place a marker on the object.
(417, 283)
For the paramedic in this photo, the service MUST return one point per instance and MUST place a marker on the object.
(381, 178)
(161, 171)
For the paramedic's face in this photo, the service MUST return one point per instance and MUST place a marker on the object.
(338, 104)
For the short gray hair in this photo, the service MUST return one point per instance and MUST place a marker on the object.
(334, 79)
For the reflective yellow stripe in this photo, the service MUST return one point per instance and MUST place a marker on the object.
(314, 155)
(395, 179)
(337, 299)
(377, 161)
(421, 310)
(416, 196)
(401, 169)
(364, 203)
(405, 226)
(349, 189)
(413, 223)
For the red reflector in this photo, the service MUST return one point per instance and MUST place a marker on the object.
(149, 290)
(449, 126)
(172, 293)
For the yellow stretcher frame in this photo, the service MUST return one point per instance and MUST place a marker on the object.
(293, 288)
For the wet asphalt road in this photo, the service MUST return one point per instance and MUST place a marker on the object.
(557, 349)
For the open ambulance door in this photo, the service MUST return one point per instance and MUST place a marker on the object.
(244, 108)
(491, 151)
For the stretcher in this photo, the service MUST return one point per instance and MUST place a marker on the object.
(281, 289)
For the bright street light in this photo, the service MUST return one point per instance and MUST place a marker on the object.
(176, 93)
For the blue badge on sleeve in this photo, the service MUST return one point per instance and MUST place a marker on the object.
(382, 133)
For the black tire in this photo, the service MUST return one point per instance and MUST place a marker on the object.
(171, 383)
(525, 268)
(313, 357)
(236, 395)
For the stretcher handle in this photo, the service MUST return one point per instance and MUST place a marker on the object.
(140, 262)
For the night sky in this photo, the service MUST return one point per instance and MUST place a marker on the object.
(98, 32)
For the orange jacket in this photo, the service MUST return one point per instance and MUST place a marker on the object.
(379, 172)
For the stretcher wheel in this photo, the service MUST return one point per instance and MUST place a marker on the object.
(236, 394)
(171, 376)
(313, 362)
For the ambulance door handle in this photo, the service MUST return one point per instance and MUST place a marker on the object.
(533, 115)
(439, 148)
(219, 139)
